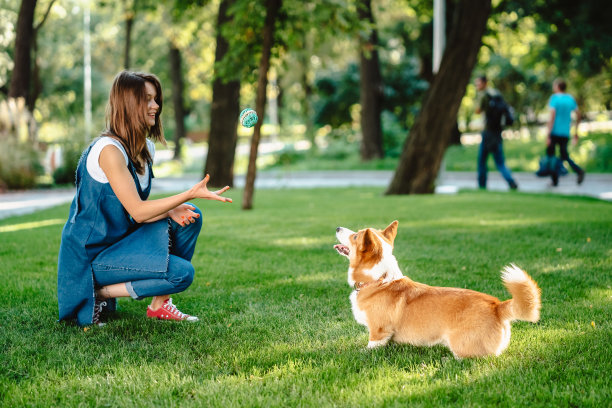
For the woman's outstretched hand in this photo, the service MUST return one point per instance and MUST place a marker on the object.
(201, 191)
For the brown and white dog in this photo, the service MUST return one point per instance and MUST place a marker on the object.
(394, 307)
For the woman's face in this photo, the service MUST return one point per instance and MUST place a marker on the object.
(152, 106)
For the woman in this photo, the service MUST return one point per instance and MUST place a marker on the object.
(116, 243)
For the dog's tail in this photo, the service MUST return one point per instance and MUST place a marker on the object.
(525, 302)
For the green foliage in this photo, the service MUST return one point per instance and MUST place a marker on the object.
(66, 173)
(276, 326)
(19, 156)
(394, 135)
(337, 93)
(579, 33)
(599, 152)
(19, 165)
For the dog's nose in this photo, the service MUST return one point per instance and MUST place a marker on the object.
(338, 229)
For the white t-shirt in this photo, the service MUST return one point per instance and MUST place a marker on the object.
(93, 162)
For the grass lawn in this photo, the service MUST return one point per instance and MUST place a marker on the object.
(276, 327)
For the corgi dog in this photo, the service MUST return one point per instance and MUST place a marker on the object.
(394, 307)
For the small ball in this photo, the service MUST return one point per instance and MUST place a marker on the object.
(248, 118)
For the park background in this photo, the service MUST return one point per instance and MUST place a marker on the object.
(339, 85)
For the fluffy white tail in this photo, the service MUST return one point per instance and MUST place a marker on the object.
(525, 303)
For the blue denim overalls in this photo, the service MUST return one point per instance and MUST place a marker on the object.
(96, 221)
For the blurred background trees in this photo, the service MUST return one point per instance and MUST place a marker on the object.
(345, 76)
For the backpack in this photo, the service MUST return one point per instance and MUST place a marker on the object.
(498, 114)
(550, 165)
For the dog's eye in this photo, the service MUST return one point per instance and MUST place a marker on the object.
(354, 237)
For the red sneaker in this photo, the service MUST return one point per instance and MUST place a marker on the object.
(169, 312)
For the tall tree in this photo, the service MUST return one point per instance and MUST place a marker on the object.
(22, 68)
(25, 80)
(130, 15)
(272, 11)
(370, 85)
(430, 135)
(178, 86)
(224, 110)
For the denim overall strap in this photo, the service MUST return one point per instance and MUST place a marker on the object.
(144, 194)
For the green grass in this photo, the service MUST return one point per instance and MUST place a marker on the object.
(593, 153)
(276, 327)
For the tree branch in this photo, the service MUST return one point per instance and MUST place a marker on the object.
(45, 16)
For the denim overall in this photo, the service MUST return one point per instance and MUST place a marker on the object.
(98, 222)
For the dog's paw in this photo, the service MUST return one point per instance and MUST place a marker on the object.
(372, 344)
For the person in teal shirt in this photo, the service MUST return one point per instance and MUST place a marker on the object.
(561, 106)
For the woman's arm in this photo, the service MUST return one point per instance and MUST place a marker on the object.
(112, 163)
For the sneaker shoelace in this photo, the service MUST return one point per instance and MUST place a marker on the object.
(98, 306)
(169, 306)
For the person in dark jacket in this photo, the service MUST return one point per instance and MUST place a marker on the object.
(491, 135)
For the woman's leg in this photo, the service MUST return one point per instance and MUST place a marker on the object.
(138, 284)
(124, 282)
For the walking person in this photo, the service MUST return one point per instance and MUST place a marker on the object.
(561, 106)
(116, 243)
(496, 111)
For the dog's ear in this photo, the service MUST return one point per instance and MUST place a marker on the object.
(391, 231)
(368, 241)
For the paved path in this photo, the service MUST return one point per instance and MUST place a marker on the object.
(595, 185)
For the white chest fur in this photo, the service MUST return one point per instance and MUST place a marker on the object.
(359, 314)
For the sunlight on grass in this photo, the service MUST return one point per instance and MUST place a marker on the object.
(601, 293)
(301, 242)
(315, 277)
(31, 225)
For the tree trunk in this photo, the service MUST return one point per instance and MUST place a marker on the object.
(22, 69)
(272, 9)
(370, 87)
(307, 88)
(36, 82)
(224, 111)
(129, 24)
(430, 135)
(177, 99)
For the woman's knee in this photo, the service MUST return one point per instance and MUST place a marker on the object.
(180, 272)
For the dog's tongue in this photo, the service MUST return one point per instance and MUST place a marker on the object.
(342, 249)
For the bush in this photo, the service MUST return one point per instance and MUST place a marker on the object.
(19, 160)
(66, 173)
(19, 165)
(394, 135)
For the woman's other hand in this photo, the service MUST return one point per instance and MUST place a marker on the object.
(183, 214)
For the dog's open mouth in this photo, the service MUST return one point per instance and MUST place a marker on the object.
(342, 249)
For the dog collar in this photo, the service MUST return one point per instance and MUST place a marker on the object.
(361, 285)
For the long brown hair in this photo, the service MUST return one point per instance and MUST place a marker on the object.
(126, 115)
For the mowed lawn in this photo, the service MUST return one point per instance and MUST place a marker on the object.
(276, 327)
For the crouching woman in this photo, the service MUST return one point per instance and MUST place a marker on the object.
(116, 243)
